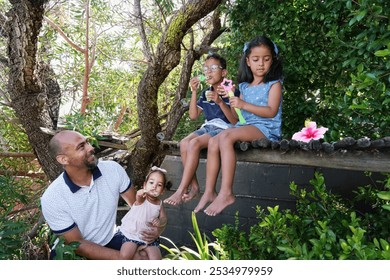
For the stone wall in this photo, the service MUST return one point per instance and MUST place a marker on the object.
(254, 184)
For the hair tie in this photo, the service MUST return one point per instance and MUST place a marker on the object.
(155, 168)
(275, 48)
(246, 45)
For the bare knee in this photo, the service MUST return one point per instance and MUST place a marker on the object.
(213, 145)
(184, 145)
(195, 145)
(227, 140)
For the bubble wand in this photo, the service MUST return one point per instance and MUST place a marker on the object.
(201, 79)
(227, 86)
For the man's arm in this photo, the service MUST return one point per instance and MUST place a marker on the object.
(89, 249)
(155, 231)
(163, 219)
(129, 196)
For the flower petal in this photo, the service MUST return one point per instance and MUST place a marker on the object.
(300, 136)
(312, 125)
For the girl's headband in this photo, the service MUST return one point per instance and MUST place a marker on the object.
(246, 45)
(155, 168)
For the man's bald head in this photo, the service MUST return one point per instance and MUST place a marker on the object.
(59, 139)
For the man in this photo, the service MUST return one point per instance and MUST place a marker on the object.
(81, 204)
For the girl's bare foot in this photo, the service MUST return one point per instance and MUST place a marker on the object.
(206, 198)
(174, 199)
(191, 194)
(219, 203)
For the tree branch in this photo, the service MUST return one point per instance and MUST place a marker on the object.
(3, 25)
(22, 154)
(141, 28)
(63, 35)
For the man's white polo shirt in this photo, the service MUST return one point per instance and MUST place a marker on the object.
(91, 208)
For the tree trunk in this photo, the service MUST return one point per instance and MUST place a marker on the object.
(28, 95)
(166, 59)
(178, 108)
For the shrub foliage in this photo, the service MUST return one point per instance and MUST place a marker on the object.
(323, 227)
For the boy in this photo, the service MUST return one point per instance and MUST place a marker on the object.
(218, 117)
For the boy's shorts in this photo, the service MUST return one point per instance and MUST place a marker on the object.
(210, 129)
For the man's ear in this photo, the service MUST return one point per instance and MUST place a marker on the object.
(62, 159)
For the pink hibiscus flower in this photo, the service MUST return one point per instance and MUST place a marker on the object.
(309, 132)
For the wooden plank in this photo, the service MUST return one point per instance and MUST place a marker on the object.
(112, 145)
(350, 160)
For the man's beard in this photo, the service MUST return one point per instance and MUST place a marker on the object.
(91, 165)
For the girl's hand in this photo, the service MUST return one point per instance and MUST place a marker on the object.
(236, 102)
(140, 197)
(141, 193)
(194, 84)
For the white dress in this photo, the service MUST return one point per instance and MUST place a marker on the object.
(135, 221)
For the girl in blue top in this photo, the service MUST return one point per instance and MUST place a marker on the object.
(260, 85)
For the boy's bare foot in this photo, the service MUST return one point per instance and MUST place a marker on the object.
(174, 199)
(206, 198)
(220, 203)
(191, 194)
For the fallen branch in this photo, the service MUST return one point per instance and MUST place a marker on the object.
(18, 155)
(22, 174)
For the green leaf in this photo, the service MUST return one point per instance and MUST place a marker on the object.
(384, 195)
(386, 207)
(383, 53)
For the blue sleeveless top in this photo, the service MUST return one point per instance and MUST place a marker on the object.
(258, 95)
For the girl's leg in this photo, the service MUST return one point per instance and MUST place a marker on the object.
(228, 165)
(193, 148)
(212, 170)
(127, 251)
(153, 252)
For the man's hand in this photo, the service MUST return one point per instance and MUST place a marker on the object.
(151, 234)
(156, 222)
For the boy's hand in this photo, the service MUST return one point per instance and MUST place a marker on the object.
(194, 84)
(222, 93)
(213, 96)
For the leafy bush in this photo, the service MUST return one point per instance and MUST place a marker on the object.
(12, 226)
(10, 237)
(385, 195)
(65, 251)
(18, 216)
(336, 60)
(323, 227)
